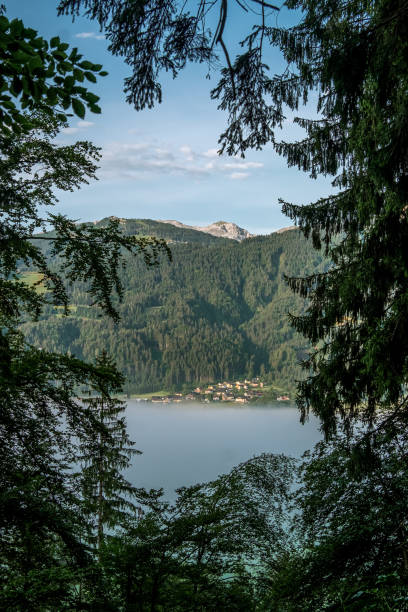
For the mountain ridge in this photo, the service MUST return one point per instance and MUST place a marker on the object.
(226, 230)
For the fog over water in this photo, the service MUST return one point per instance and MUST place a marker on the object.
(187, 443)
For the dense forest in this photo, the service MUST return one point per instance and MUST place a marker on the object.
(218, 310)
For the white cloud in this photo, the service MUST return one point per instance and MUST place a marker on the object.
(187, 152)
(211, 153)
(81, 125)
(238, 176)
(93, 35)
(243, 165)
(131, 161)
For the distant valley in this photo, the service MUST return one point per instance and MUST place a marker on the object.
(219, 311)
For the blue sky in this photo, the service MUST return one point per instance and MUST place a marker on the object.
(162, 163)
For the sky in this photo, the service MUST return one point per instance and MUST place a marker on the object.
(162, 163)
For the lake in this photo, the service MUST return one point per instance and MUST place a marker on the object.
(184, 444)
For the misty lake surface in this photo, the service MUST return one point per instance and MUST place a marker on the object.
(187, 443)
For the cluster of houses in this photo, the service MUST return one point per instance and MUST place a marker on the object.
(240, 392)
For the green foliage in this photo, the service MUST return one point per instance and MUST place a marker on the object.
(104, 454)
(43, 522)
(85, 252)
(351, 528)
(218, 311)
(40, 75)
(208, 550)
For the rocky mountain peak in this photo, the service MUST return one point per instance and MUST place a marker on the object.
(221, 229)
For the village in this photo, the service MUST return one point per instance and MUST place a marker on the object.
(241, 392)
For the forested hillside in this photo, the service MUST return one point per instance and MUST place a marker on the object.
(218, 310)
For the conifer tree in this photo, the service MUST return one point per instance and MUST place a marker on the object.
(104, 454)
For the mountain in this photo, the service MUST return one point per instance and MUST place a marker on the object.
(221, 229)
(173, 231)
(218, 311)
